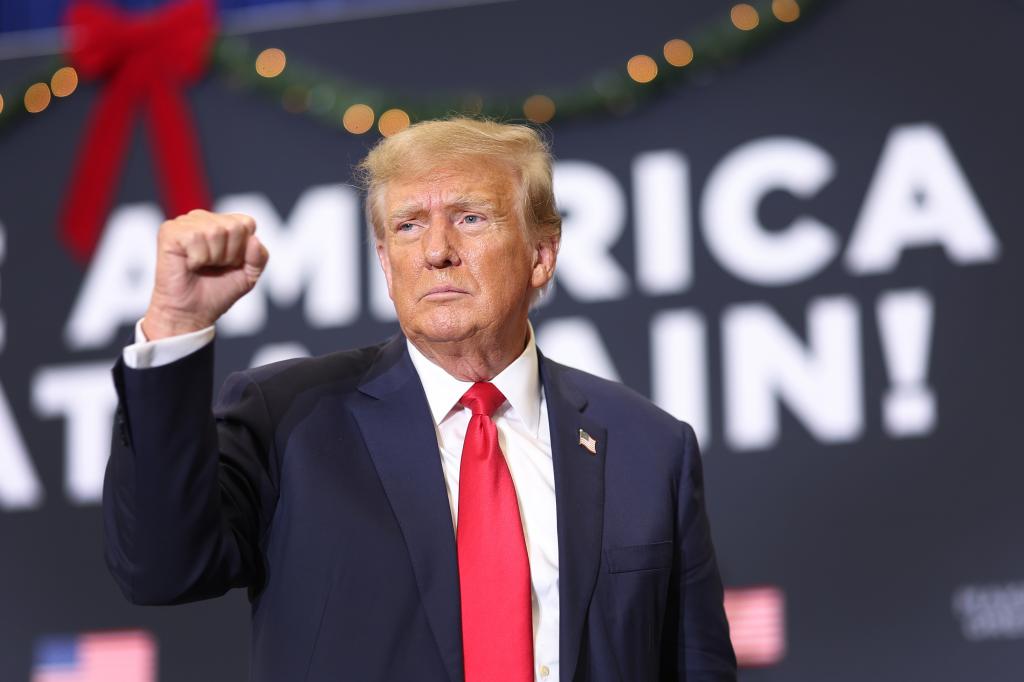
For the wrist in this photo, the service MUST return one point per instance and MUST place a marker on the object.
(159, 324)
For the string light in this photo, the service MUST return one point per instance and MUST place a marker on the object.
(358, 119)
(539, 108)
(271, 62)
(314, 93)
(642, 68)
(786, 10)
(392, 121)
(678, 52)
(64, 81)
(37, 97)
(744, 17)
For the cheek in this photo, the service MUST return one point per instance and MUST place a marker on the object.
(507, 271)
(402, 272)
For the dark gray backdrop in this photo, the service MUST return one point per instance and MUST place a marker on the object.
(870, 538)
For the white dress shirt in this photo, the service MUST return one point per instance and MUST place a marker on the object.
(524, 437)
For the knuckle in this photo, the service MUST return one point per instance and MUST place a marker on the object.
(195, 238)
(243, 221)
(173, 224)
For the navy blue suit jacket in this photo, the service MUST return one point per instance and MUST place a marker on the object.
(317, 484)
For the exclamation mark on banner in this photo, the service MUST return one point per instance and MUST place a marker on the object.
(905, 321)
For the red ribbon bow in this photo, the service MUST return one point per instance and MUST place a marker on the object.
(147, 59)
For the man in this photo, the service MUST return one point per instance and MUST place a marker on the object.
(447, 505)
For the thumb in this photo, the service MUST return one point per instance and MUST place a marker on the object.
(256, 257)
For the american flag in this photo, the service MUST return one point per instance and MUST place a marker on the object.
(588, 441)
(757, 624)
(119, 656)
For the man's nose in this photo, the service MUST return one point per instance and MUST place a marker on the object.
(438, 247)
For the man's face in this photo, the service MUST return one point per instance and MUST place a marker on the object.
(458, 260)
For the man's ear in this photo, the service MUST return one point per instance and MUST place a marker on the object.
(385, 265)
(544, 256)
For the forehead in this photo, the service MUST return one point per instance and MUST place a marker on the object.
(466, 181)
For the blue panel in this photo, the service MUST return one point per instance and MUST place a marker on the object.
(19, 15)
(56, 650)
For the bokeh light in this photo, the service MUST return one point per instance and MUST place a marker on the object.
(539, 108)
(64, 81)
(271, 62)
(786, 10)
(744, 17)
(37, 97)
(358, 119)
(392, 121)
(642, 68)
(678, 52)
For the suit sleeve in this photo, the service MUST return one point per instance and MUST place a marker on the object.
(187, 494)
(697, 647)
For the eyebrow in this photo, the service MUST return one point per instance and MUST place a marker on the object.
(459, 201)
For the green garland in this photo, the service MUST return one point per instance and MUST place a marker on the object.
(326, 97)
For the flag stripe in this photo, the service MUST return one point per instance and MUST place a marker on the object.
(757, 624)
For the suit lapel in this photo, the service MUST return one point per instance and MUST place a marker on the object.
(579, 493)
(399, 432)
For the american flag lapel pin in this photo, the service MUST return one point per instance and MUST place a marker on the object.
(588, 442)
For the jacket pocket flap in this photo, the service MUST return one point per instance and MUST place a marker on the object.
(639, 557)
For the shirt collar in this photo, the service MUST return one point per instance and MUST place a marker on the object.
(519, 383)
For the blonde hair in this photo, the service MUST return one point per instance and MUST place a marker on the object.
(426, 145)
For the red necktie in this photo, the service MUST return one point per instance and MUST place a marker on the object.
(494, 571)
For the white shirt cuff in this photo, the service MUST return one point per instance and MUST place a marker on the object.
(144, 354)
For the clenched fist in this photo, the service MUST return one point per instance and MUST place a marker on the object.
(205, 262)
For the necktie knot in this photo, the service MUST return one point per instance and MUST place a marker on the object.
(483, 397)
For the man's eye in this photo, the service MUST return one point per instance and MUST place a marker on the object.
(405, 227)
(472, 219)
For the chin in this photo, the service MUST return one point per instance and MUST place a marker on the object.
(447, 334)
(448, 326)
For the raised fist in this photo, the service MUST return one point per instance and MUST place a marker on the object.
(205, 262)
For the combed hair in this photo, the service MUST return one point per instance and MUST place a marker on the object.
(425, 146)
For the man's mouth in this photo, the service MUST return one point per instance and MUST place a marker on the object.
(444, 292)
